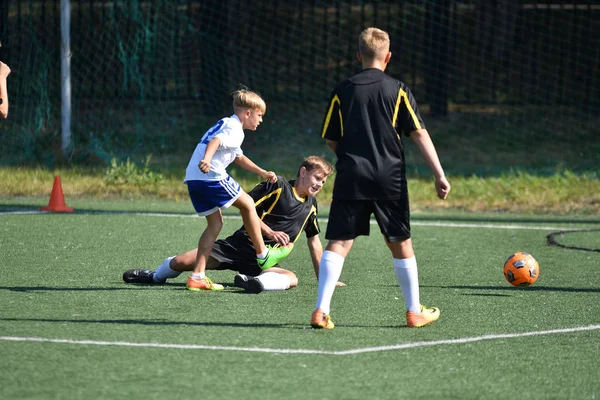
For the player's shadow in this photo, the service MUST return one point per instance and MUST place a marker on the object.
(130, 286)
(153, 322)
(160, 322)
(520, 289)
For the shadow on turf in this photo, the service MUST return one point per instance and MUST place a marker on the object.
(149, 322)
(157, 322)
(231, 288)
(521, 289)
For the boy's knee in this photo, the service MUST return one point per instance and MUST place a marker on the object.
(245, 202)
(215, 222)
(293, 280)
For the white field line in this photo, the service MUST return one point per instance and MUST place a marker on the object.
(373, 222)
(403, 346)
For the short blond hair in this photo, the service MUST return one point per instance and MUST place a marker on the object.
(244, 98)
(373, 43)
(316, 162)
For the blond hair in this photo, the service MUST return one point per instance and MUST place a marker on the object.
(316, 162)
(244, 98)
(373, 43)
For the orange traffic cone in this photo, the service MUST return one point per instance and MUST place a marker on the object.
(57, 199)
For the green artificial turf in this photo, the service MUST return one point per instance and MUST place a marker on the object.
(61, 281)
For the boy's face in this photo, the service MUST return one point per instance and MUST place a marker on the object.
(309, 183)
(253, 119)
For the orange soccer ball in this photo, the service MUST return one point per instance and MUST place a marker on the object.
(521, 269)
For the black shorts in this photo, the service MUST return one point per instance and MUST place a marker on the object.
(237, 254)
(351, 218)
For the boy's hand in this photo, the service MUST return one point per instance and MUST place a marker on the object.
(270, 175)
(280, 237)
(204, 166)
(442, 187)
(4, 69)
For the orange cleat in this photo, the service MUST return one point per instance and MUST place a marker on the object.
(426, 316)
(320, 320)
(202, 284)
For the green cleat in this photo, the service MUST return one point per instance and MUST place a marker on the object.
(274, 256)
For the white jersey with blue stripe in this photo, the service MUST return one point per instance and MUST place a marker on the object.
(231, 133)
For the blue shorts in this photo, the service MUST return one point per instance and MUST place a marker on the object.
(209, 196)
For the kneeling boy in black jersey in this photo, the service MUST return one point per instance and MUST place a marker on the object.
(286, 209)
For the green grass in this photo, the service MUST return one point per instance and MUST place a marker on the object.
(62, 280)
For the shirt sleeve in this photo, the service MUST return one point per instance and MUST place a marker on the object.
(332, 128)
(261, 194)
(231, 138)
(312, 226)
(409, 118)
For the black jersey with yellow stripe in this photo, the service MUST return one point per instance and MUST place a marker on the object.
(279, 206)
(366, 116)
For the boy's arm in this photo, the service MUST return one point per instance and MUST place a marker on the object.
(210, 151)
(279, 236)
(249, 165)
(316, 252)
(4, 72)
(423, 141)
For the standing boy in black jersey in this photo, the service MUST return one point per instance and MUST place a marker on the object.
(365, 118)
(286, 209)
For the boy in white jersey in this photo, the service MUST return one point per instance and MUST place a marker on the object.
(211, 188)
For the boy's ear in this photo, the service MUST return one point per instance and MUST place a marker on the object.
(388, 56)
(358, 56)
(302, 172)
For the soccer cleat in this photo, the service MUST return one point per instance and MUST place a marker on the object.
(202, 284)
(254, 285)
(320, 320)
(274, 255)
(426, 316)
(239, 281)
(138, 276)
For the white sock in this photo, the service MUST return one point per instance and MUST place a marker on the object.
(164, 272)
(244, 277)
(330, 269)
(408, 277)
(263, 254)
(274, 281)
(199, 275)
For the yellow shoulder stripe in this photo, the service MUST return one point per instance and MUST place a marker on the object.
(402, 95)
(277, 194)
(335, 100)
(313, 210)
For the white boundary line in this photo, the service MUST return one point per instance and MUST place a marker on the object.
(373, 222)
(403, 346)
